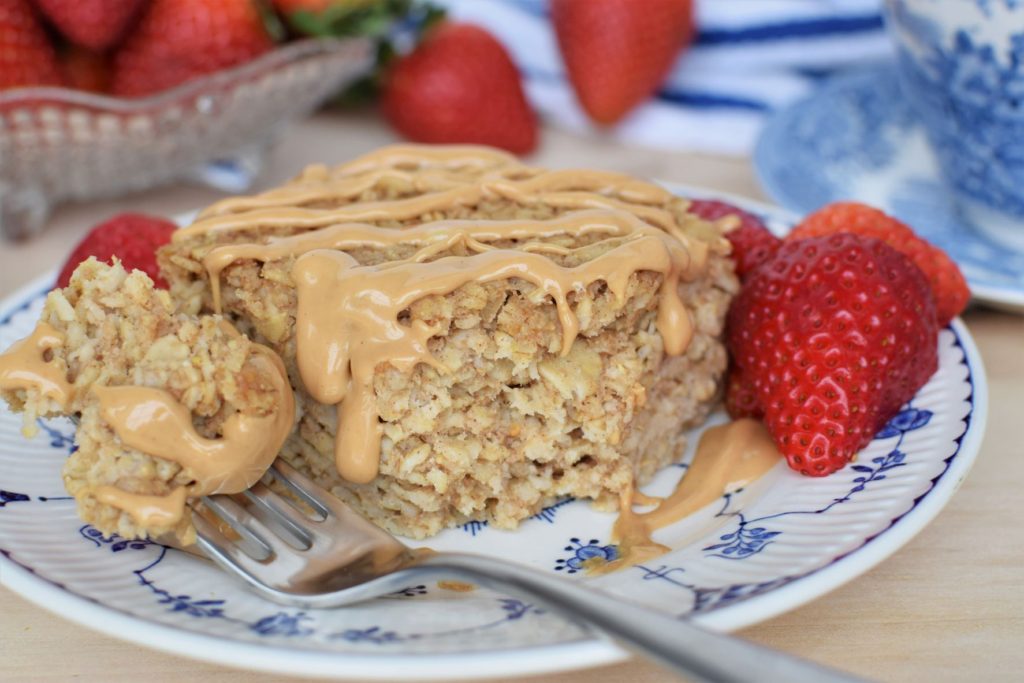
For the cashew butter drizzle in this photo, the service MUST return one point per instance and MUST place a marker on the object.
(150, 420)
(24, 366)
(728, 457)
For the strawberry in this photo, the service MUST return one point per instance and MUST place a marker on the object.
(178, 40)
(751, 242)
(828, 339)
(85, 70)
(26, 56)
(947, 282)
(131, 237)
(459, 85)
(93, 24)
(287, 7)
(618, 52)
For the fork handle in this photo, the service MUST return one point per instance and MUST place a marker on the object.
(674, 642)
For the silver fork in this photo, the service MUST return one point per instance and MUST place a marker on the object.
(319, 553)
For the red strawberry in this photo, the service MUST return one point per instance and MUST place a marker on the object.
(93, 24)
(947, 282)
(460, 85)
(314, 6)
(752, 244)
(85, 70)
(831, 336)
(618, 52)
(131, 237)
(26, 56)
(178, 40)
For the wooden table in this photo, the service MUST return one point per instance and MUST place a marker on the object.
(949, 606)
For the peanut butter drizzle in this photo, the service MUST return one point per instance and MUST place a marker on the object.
(728, 457)
(425, 169)
(456, 586)
(153, 422)
(569, 189)
(24, 366)
(306, 192)
(347, 317)
(422, 167)
(147, 511)
(441, 235)
(419, 156)
(347, 320)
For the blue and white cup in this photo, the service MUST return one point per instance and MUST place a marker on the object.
(961, 67)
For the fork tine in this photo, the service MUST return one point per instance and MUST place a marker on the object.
(248, 526)
(275, 510)
(335, 510)
(226, 553)
(216, 517)
(312, 494)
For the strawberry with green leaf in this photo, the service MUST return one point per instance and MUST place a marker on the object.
(341, 18)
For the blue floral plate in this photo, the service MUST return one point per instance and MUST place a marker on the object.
(782, 542)
(855, 138)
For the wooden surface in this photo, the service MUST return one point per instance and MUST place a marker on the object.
(948, 607)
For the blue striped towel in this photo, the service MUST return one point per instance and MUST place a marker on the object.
(749, 58)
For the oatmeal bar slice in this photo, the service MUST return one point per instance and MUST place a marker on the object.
(111, 328)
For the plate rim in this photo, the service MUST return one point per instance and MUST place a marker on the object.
(995, 295)
(573, 655)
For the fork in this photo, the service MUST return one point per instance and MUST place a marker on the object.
(309, 549)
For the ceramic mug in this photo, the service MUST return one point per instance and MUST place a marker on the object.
(961, 67)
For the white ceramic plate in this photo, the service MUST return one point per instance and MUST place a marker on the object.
(750, 556)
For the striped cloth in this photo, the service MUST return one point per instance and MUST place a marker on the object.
(749, 58)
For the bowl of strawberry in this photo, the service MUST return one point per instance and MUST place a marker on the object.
(103, 97)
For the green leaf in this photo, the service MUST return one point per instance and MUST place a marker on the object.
(272, 23)
(374, 20)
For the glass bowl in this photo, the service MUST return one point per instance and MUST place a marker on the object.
(58, 144)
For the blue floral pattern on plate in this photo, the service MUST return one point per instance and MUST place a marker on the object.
(856, 139)
(45, 549)
(751, 536)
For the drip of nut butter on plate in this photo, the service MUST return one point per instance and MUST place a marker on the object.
(728, 457)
